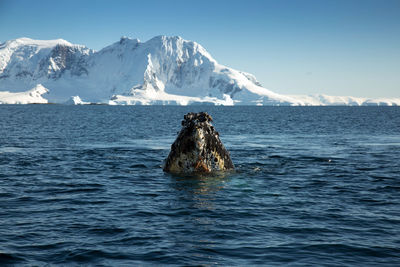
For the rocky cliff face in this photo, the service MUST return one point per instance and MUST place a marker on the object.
(25, 60)
(66, 58)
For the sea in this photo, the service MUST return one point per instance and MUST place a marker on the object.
(313, 186)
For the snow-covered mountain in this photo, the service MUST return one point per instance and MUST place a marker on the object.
(163, 70)
(31, 96)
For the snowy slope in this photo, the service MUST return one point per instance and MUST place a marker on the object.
(33, 96)
(56, 64)
(163, 70)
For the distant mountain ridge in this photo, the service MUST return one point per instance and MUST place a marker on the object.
(163, 70)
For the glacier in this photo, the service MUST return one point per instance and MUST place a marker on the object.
(161, 71)
(76, 100)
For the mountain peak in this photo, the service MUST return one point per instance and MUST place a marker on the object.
(24, 41)
(162, 70)
(163, 39)
(125, 39)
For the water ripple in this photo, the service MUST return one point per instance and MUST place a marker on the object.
(85, 186)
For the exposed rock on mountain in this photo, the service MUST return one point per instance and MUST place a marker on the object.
(163, 70)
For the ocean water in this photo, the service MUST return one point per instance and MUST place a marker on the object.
(83, 185)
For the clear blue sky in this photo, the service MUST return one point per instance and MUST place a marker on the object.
(349, 47)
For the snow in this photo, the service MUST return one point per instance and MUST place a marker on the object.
(325, 100)
(382, 102)
(41, 43)
(164, 70)
(76, 100)
(31, 46)
(33, 96)
(169, 99)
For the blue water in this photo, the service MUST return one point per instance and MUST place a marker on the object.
(83, 185)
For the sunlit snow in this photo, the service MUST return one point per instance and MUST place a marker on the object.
(164, 70)
(33, 96)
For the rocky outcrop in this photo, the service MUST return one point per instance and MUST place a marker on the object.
(198, 149)
(63, 58)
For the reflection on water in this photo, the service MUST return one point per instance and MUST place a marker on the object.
(198, 197)
(199, 190)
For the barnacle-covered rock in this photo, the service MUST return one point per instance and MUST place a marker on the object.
(198, 149)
